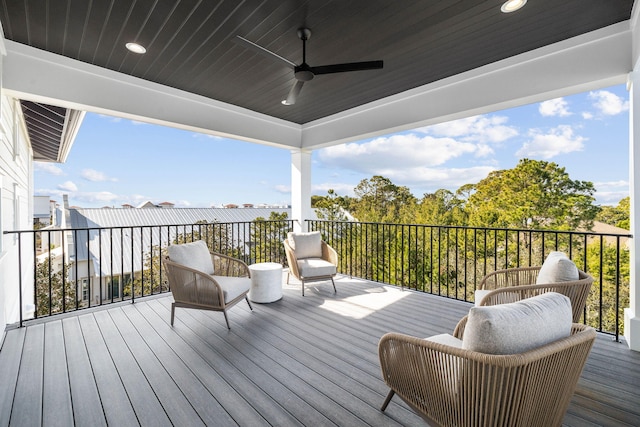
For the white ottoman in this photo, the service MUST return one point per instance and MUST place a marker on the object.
(266, 282)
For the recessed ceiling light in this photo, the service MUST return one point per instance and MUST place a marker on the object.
(512, 5)
(136, 48)
(284, 102)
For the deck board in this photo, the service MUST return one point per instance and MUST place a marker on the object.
(56, 390)
(85, 396)
(300, 361)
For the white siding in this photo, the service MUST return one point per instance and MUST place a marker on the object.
(16, 208)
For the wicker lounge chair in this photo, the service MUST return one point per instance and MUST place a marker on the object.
(310, 259)
(451, 385)
(513, 284)
(204, 280)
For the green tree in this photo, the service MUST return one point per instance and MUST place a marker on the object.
(331, 207)
(441, 208)
(54, 292)
(616, 215)
(602, 264)
(379, 200)
(535, 194)
(267, 237)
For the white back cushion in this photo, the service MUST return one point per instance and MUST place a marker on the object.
(193, 255)
(557, 268)
(306, 245)
(519, 326)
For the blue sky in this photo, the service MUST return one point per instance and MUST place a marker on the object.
(116, 161)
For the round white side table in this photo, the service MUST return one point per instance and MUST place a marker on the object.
(266, 282)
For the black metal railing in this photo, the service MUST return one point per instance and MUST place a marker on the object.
(450, 260)
(64, 270)
(73, 269)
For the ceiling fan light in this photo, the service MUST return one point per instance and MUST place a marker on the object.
(285, 102)
(136, 48)
(512, 5)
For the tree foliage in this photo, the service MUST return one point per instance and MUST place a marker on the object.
(616, 215)
(535, 194)
(379, 200)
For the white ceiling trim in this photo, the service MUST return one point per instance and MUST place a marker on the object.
(41, 76)
(597, 59)
(593, 60)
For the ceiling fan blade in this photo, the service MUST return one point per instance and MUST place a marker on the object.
(352, 66)
(262, 51)
(293, 93)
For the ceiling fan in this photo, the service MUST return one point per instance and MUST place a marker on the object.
(304, 72)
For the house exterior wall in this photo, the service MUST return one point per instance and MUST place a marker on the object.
(16, 208)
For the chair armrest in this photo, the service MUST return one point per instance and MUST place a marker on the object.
(509, 277)
(292, 260)
(446, 384)
(458, 332)
(329, 254)
(192, 286)
(225, 265)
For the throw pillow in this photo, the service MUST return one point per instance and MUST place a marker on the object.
(194, 255)
(306, 245)
(557, 268)
(519, 326)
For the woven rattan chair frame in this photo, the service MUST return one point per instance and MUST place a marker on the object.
(514, 284)
(328, 254)
(198, 290)
(450, 386)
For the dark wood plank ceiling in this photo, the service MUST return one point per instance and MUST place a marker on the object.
(45, 124)
(189, 43)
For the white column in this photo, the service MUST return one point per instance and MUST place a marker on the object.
(300, 188)
(631, 314)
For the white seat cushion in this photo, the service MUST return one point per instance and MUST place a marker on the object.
(313, 267)
(519, 326)
(232, 287)
(446, 339)
(194, 255)
(306, 245)
(479, 294)
(557, 268)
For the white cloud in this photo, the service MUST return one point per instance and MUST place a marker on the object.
(342, 189)
(587, 115)
(49, 168)
(68, 186)
(612, 184)
(554, 108)
(95, 176)
(285, 189)
(96, 197)
(608, 103)
(110, 118)
(610, 197)
(479, 129)
(383, 155)
(560, 140)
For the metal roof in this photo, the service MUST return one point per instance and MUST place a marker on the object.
(122, 250)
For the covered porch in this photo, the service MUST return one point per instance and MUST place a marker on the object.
(299, 361)
(443, 61)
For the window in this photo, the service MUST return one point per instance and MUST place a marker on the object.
(113, 287)
(85, 289)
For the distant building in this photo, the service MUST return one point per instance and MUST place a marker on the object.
(111, 257)
(43, 210)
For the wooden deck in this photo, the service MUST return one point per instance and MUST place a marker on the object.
(308, 361)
